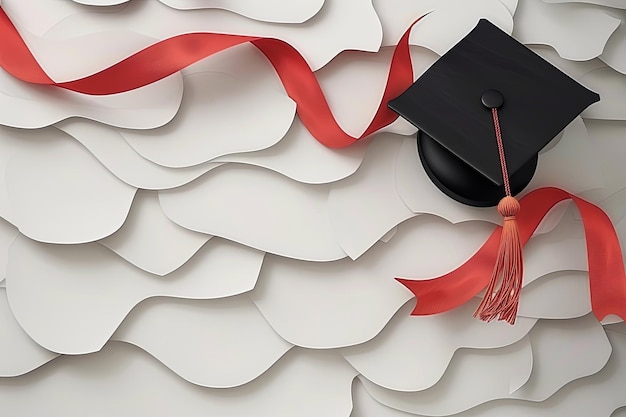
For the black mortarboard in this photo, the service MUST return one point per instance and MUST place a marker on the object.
(451, 106)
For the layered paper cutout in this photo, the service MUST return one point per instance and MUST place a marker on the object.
(571, 288)
(614, 53)
(359, 297)
(100, 2)
(562, 26)
(110, 148)
(464, 381)
(558, 351)
(38, 17)
(19, 354)
(563, 249)
(611, 86)
(270, 11)
(510, 4)
(319, 40)
(364, 405)
(365, 206)
(575, 69)
(226, 343)
(58, 192)
(136, 384)
(597, 395)
(572, 164)
(615, 208)
(617, 328)
(608, 3)
(70, 299)
(7, 235)
(219, 115)
(607, 138)
(300, 157)
(564, 351)
(145, 239)
(14, 141)
(413, 353)
(257, 208)
(448, 22)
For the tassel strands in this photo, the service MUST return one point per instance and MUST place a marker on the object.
(503, 292)
(502, 295)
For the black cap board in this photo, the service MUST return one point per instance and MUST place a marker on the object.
(451, 105)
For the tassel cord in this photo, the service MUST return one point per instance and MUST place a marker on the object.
(502, 294)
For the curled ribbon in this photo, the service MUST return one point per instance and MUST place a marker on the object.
(168, 56)
(607, 280)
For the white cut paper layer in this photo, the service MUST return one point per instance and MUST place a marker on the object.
(136, 384)
(227, 343)
(70, 299)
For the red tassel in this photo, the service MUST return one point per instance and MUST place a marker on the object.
(503, 292)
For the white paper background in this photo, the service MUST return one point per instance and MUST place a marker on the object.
(189, 249)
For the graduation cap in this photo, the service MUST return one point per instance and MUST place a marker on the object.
(451, 106)
(484, 110)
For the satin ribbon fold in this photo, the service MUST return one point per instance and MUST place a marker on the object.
(607, 280)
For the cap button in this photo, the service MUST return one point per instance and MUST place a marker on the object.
(492, 99)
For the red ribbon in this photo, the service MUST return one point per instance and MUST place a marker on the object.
(607, 280)
(606, 268)
(166, 57)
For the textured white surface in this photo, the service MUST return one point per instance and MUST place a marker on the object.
(124, 381)
(258, 208)
(365, 206)
(70, 299)
(464, 381)
(413, 353)
(7, 235)
(227, 343)
(578, 32)
(318, 325)
(612, 88)
(614, 54)
(110, 148)
(301, 158)
(19, 354)
(326, 36)
(145, 239)
(270, 10)
(447, 23)
(59, 193)
(243, 117)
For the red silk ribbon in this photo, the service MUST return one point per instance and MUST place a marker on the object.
(168, 56)
(607, 280)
